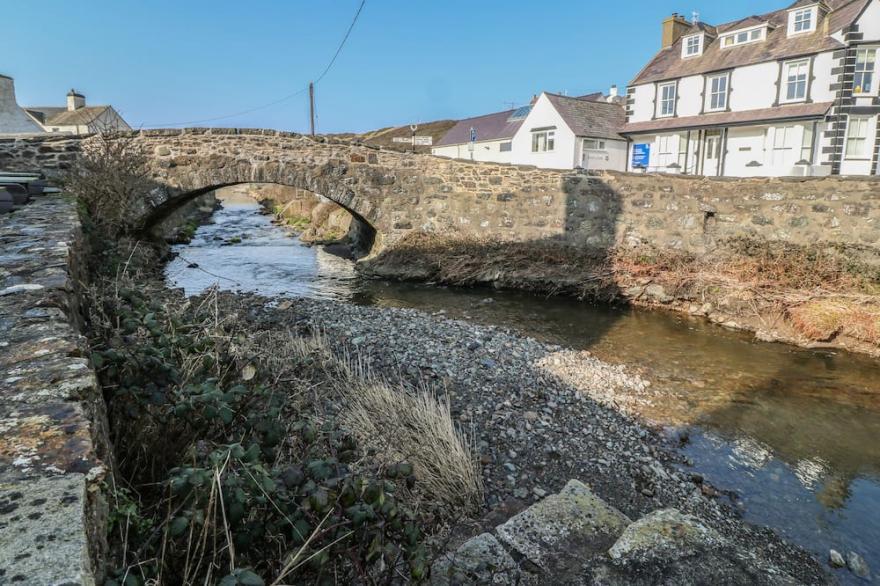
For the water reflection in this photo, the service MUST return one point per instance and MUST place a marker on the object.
(794, 432)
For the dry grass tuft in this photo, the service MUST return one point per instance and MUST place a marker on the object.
(411, 425)
(823, 319)
(416, 427)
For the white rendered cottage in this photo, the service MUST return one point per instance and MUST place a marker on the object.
(791, 92)
(554, 132)
(76, 117)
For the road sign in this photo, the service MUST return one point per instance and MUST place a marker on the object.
(473, 134)
(419, 140)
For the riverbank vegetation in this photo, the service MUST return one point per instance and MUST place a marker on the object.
(817, 293)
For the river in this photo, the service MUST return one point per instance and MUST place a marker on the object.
(793, 433)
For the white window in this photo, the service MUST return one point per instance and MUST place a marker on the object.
(693, 45)
(594, 144)
(505, 147)
(807, 145)
(866, 63)
(718, 92)
(802, 20)
(744, 36)
(857, 138)
(667, 99)
(543, 141)
(795, 80)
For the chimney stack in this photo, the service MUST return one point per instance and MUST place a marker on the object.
(673, 28)
(612, 93)
(75, 101)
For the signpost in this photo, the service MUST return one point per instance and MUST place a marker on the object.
(420, 140)
(473, 140)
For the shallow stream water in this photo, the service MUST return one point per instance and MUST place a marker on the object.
(794, 433)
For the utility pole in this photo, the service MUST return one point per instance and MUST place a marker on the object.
(312, 107)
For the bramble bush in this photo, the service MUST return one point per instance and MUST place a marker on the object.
(230, 478)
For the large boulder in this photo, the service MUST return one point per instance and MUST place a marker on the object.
(557, 535)
(669, 547)
(481, 560)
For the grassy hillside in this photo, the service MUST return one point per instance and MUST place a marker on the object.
(384, 137)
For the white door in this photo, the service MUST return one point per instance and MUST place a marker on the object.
(712, 153)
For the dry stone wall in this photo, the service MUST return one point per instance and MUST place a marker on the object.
(399, 192)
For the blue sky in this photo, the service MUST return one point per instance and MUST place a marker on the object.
(170, 61)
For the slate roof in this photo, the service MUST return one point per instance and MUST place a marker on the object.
(669, 64)
(588, 117)
(55, 116)
(494, 126)
(784, 112)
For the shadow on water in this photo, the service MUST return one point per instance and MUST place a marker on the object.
(793, 432)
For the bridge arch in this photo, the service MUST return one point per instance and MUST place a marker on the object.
(362, 235)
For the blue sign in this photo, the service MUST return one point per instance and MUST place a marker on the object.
(641, 156)
(473, 134)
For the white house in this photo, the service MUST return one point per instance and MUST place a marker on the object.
(482, 138)
(555, 131)
(77, 117)
(791, 92)
(564, 132)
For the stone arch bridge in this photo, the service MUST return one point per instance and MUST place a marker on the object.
(396, 193)
(392, 192)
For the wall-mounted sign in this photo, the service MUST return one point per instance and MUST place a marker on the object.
(641, 156)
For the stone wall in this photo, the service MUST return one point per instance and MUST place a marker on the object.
(53, 434)
(397, 193)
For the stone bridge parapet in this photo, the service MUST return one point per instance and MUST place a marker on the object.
(396, 193)
(53, 435)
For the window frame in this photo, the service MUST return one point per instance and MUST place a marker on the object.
(748, 35)
(686, 46)
(811, 17)
(864, 153)
(710, 92)
(786, 81)
(549, 142)
(672, 99)
(505, 146)
(601, 145)
(871, 71)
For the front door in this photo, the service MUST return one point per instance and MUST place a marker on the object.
(712, 153)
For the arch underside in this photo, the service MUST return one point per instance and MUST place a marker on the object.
(177, 185)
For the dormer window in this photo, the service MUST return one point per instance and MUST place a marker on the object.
(803, 20)
(693, 46)
(742, 37)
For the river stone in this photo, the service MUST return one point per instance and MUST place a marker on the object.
(858, 565)
(558, 533)
(480, 560)
(664, 534)
(835, 558)
(669, 547)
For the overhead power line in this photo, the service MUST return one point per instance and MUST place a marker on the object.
(285, 98)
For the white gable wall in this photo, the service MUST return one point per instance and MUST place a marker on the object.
(869, 23)
(543, 114)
